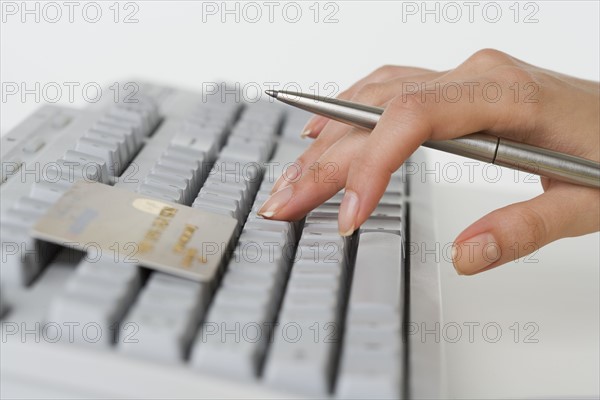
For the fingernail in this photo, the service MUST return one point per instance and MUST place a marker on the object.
(278, 183)
(290, 175)
(473, 255)
(275, 202)
(454, 257)
(314, 126)
(348, 213)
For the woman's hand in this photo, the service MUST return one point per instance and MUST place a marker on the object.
(498, 94)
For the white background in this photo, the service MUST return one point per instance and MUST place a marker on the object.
(176, 43)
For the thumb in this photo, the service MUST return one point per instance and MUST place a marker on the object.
(522, 228)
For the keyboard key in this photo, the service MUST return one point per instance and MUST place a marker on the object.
(186, 175)
(110, 127)
(96, 296)
(130, 118)
(214, 209)
(162, 192)
(119, 140)
(235, 335)
(156, 153)
(371, 361)
(179, 185)
(377, 224)
(229, 205)
(71, 171)
(107, 151)
(34, 145)
(376, 289)
(50, 191)
(21, 217)
(88, 163)
(23, 257)
(387, 210)
(297, 352)
(166, 315)
(32, 205)
(144, 106)
(204, 144)
(370, 374)
(311, 310)
(171, 161)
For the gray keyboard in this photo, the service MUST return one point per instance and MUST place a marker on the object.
(295, 307)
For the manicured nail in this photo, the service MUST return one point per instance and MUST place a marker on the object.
(454, 257)
(472, 255)
(278, 183)
(290, 175)
(308, 128)
(348, 213)
(314, 126)
(275, 202)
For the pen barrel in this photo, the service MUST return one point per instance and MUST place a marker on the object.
(549, 163)
(522, 157)
(478, 146)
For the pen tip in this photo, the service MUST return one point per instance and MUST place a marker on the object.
(272, 93)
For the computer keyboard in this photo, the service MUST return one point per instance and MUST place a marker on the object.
(296, 308)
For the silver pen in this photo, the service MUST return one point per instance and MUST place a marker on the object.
(478, 146)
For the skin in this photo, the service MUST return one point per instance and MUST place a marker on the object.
(552, 111)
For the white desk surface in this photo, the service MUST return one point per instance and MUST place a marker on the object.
(560, 294)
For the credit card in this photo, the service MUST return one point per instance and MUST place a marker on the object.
(137, 229)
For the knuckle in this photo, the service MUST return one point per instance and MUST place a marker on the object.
(521, 93)
(303, 160)
(319, 170)
(410, 103)
(537, 230)
(322, 142)
(488, 58)
(375, 156)
(328, 173)
(510, 74)
(384, 70)
(363, 162)
(368, 169)
(345, 94)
